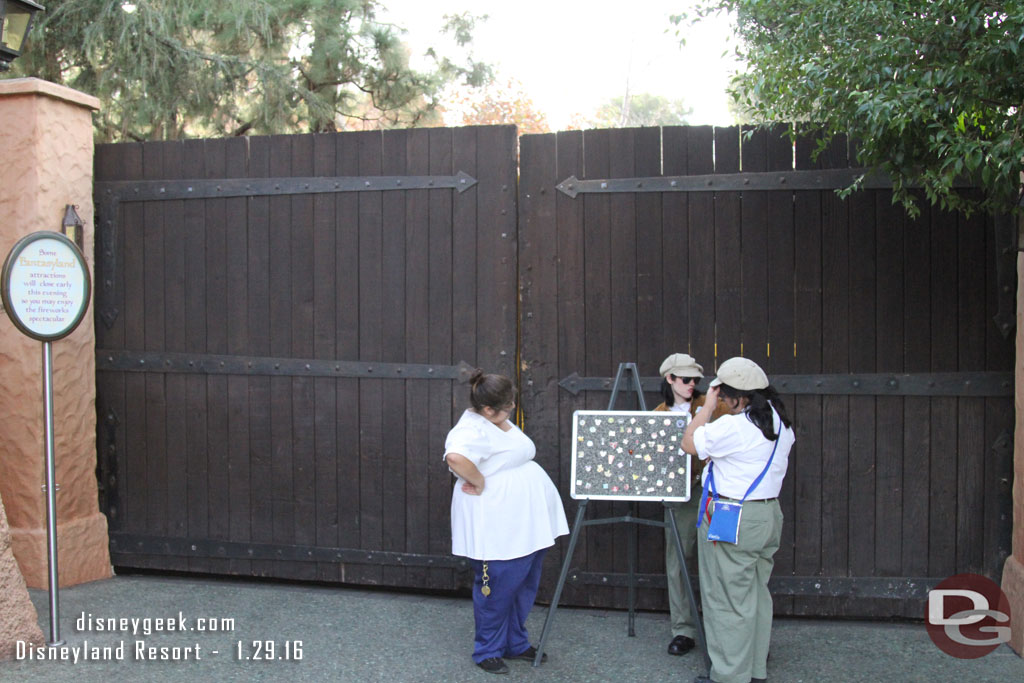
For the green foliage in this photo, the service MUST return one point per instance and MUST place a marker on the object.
(929, 90)
(642, 109)
(165, 69)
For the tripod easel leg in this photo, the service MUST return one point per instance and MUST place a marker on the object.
(576, 526)
(689, 594)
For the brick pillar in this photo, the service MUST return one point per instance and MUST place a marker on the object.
(48, 163)
(18, 618)
(1013, 570)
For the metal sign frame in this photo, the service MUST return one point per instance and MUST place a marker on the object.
(12, 268)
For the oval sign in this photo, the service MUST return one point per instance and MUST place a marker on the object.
(45, 285)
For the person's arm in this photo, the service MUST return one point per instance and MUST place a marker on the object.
(699, 420)
(464, 468)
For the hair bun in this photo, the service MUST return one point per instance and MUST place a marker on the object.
(476, 377)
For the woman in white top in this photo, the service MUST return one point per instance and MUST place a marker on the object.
(756, 437)
(506, 513)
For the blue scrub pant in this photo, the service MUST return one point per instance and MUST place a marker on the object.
(501, 616)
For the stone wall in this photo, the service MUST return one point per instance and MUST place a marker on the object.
(1013, 570)
(48, 163)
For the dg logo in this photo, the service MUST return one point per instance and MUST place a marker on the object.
(968, 616)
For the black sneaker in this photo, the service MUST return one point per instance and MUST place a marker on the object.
(529, 654)
(494, 665)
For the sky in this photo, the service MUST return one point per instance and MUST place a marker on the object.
(571, 57)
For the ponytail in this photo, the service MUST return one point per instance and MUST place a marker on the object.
(490, 391)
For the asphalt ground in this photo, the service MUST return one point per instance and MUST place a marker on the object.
(336, 633)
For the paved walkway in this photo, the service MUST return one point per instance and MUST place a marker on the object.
(347, 634)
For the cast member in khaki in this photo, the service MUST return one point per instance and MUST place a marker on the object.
(749, 454)
(680, 373)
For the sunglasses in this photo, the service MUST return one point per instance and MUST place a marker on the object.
(686, 380)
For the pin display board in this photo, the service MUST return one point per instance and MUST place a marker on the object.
(629, 455)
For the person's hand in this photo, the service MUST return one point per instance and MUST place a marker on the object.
(471, 490)
(712, 396)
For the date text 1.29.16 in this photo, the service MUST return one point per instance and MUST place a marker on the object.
(269, 650)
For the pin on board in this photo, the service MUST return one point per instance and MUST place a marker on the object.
(630, 455)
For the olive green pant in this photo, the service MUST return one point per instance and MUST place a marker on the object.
(734, 593)
(684, 622)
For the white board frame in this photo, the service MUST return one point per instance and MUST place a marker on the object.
(587, 450)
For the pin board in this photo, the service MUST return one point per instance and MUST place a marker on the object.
(630, 455)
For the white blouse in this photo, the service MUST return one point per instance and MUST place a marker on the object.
(740, 451)
(519, 511)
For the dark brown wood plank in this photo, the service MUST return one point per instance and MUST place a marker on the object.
(196, 288)
(110, 163)
(650, 352)
(943, 437)
(835, 416)
(468, 316)
(393, 333)
(422, 455)
(728, 261)
(175, 231)
(701, 221)
(675, 251)
(439, 344)
(496, 172)
(153, 323)
(597, 291)
(218, 252)
(999, 420)
(805, 460)
(280, 313)
(347, 334)
(110, 387)
(261, 475)
(623, 299)
(237, 321)
(302, 330)
(133, 455)
(538, 273)
(325, 433)
(862, 408)
(571, 357)
(889, 358)
(781, 297)
(917, 411)
(371, 348)
(972, 450)
(754, 238)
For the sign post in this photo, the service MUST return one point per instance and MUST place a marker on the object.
(46, 289)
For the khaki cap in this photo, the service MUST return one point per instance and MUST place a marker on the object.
(741, 373)
(681, 365)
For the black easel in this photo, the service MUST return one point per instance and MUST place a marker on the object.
(631, 518)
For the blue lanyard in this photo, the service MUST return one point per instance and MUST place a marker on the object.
(710, 481)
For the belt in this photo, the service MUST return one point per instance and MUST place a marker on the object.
(749, 500)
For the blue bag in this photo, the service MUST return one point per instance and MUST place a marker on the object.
(725, 521)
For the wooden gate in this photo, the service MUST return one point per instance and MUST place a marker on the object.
(283, 324)
(885, 333)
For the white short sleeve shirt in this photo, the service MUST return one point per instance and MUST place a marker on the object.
(519, 511)
(739, 452)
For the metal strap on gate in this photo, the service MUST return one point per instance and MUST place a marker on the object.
(110, 195)
(990, 384)
(210, 364)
